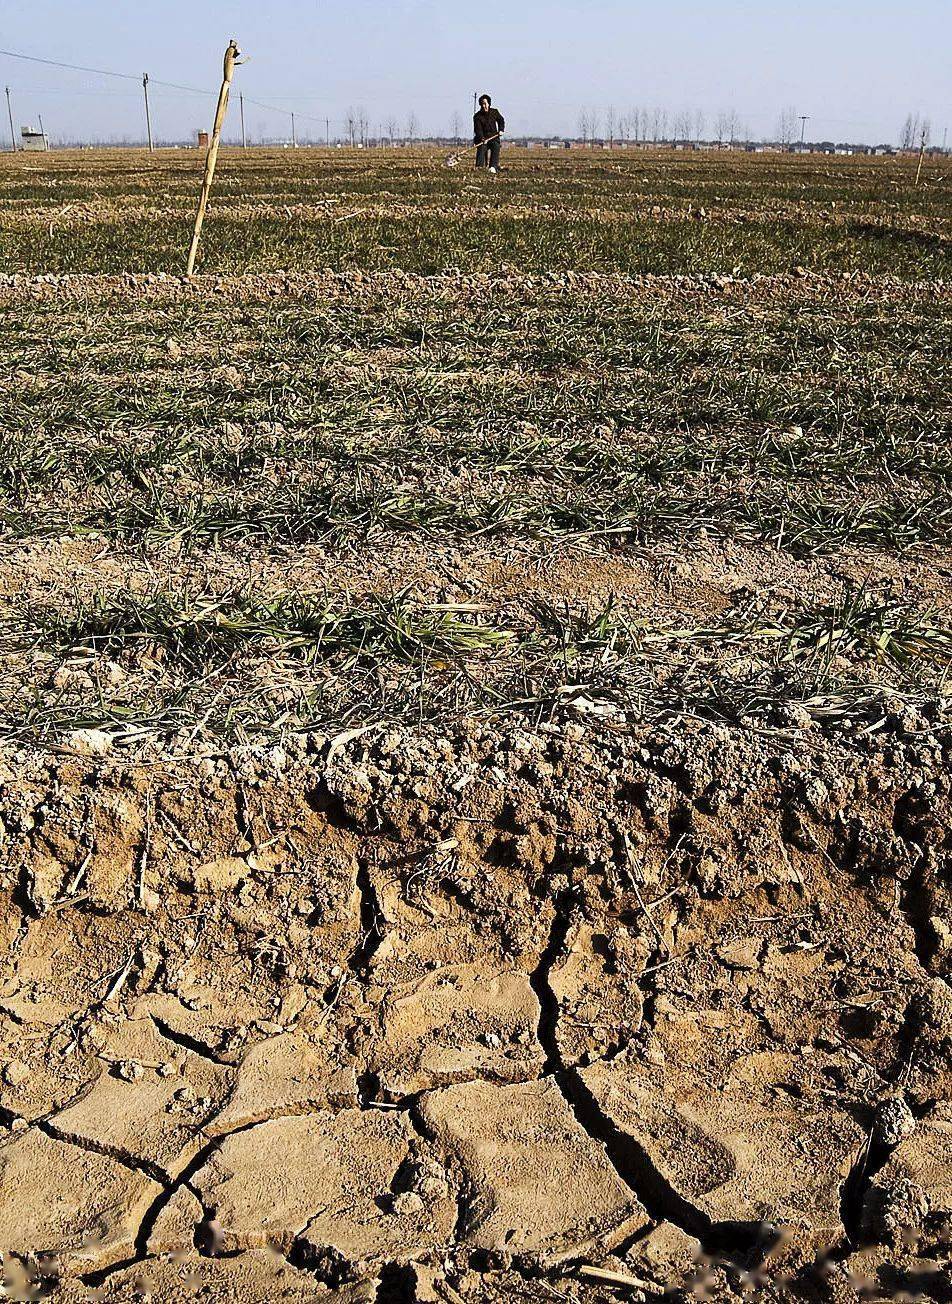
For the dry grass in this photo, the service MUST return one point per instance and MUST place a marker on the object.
(784, 435)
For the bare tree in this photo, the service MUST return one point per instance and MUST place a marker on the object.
(391, 129)
(720, 126)
(350, 123)
(916, 132)
(361, 124)
(733, 127)
(682, 126)
(787, 126)
(698, 125)
(413, 127)
(588, 125)
(456, 128)
(611, 118)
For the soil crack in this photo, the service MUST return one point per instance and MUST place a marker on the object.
(371, 923)
(629, 1159)
(145, 1167)
(189, 1043)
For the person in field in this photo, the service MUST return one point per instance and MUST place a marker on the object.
(488, 126)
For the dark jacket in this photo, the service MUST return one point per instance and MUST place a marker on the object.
(487, 124)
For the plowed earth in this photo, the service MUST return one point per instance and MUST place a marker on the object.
(476, 834)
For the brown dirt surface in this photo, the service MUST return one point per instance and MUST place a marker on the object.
(475, 836)
(473, 1013)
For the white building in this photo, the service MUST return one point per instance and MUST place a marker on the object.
(34, 142)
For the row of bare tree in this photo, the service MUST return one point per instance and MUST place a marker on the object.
(657, 125)
(357, 128)
(639, 125)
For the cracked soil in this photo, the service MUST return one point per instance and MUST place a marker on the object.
(428, 1017)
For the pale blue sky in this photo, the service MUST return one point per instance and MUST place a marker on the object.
(857, 66)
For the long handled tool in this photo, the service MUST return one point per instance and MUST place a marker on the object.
(452, 160)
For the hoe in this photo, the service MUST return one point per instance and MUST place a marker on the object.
(452, 160)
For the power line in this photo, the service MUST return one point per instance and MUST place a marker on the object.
(73, 67)
(153, 81)
(103, 72)
(60, 90)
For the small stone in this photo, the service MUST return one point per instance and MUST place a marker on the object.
(167, 1070)
(89, 742)
(220, 875)
(408, 1203)
(15, 1073)
(740, 953)
(932, 1009)
(18, 1124)
(941, 934)
(894, 1121)
(228, 375)
(130, 1070)
(149, 900)
(892, 1209)
(434, 1188)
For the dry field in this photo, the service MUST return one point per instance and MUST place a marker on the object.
(474, 729)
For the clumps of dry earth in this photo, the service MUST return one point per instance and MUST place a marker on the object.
(484, 1015)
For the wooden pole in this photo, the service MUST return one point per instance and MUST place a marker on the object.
(922, 154)
(13, 135)
(211, 158)
(148, 114)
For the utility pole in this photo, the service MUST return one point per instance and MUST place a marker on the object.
(327, 132)
(241, 110)
(13, 135)
(804, 119)
(42, 132)
(148, 115)
(293, 134)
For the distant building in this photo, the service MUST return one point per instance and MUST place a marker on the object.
(34, 142)
(203, 140)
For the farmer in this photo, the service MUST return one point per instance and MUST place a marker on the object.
(488, 125)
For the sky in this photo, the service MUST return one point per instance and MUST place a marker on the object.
(857, 67)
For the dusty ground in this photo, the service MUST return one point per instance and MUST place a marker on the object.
(409, 1016)
(475, 836)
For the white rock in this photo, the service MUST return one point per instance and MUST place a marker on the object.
(89, 742)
